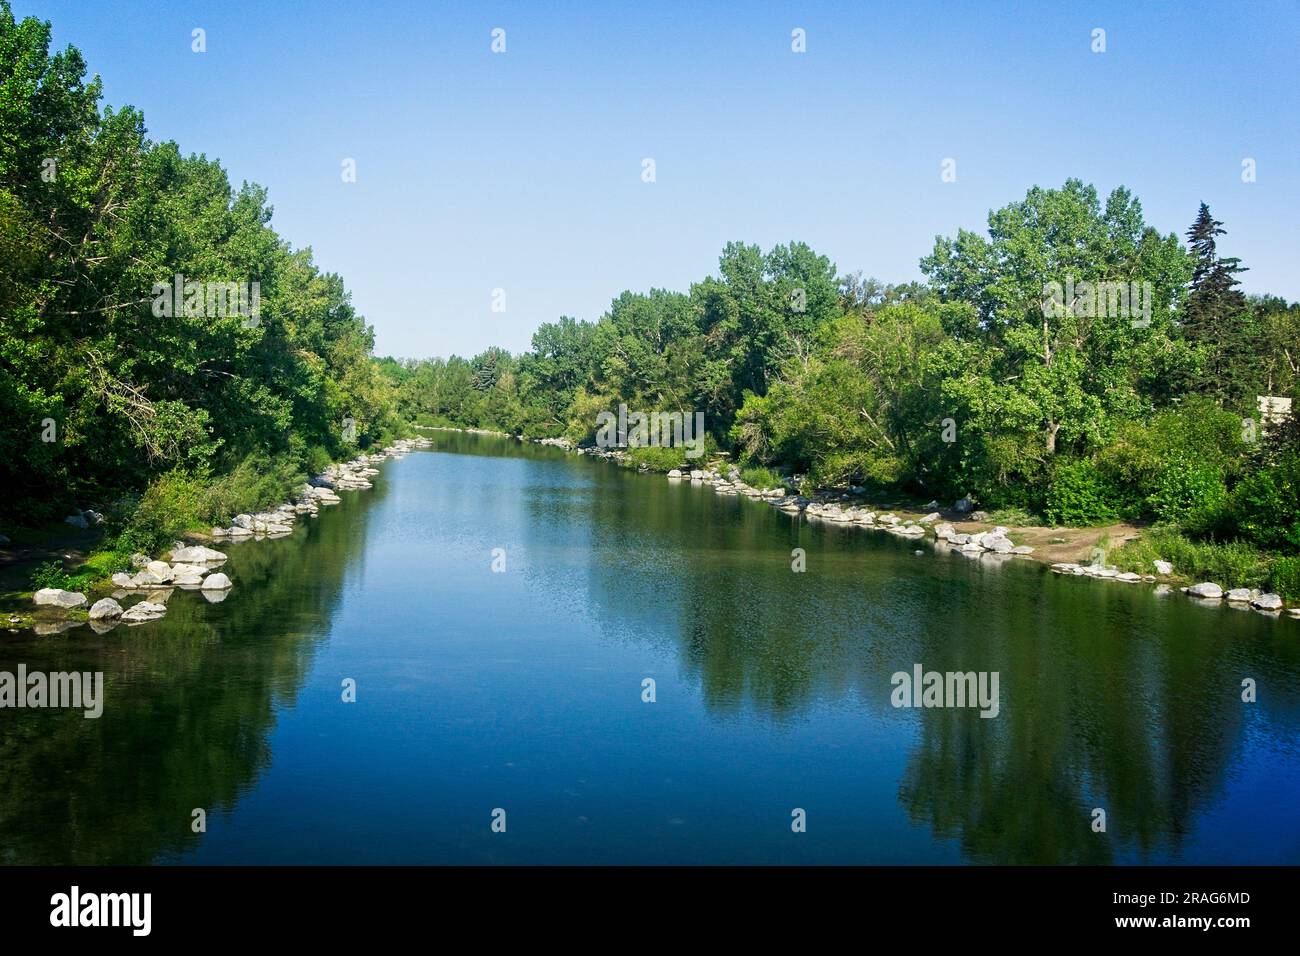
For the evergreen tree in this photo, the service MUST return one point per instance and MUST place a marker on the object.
(1218, 319)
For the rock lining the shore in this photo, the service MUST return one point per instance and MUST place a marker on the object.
(193, 567)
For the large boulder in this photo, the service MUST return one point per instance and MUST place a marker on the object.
(105, 608)
(197, 554)
(1163, 567)
(1206, 589)
(216, 582)
(161, 570)
(123, 580)
(997, 543)
(1268, 602)
(57, 597)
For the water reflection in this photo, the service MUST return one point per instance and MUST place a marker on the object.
(190, 702)
(484, 688)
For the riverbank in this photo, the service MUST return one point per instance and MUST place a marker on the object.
(139, 593)
(1083, 552)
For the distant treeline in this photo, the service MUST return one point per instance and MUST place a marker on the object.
(152, 324)
(1074, 363)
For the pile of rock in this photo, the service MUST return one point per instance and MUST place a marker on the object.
(194, 567)
(1104, 571)
(997, 541)
(1261, 601)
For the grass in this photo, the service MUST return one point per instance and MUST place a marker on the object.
(656, 457)
(1013, 516)
(1232, 564)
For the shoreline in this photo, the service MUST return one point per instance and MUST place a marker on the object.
(961, 531)
(966, 532)
(196, 567)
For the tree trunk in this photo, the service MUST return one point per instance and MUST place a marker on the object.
(1052, 429)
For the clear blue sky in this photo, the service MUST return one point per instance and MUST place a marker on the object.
(522, 170)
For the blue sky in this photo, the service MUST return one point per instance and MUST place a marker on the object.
(522, 170)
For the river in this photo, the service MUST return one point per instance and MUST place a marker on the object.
(523, 690)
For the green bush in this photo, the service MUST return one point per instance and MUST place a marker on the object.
(656, 458)
(257, 482)
(1265, 506)
(761, 478)
(172, 504)
(1190, 495)
(316, 460)
(1286, 578)
(180, 501)
(1079, 494)
(50, 575)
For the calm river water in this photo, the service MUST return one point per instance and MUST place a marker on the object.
(522, 690)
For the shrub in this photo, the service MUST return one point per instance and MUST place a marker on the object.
(172, 504)
(316, 460)
(1286, 578)
(656, 457)
(50, 575)
(1079, 494)
(1266, 506)
(761, 478)
(1191, 495)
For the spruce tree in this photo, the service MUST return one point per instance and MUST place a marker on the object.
(1217, 317)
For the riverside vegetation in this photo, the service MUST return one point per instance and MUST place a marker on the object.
(962, 386)
(164, 423)
(968, 386)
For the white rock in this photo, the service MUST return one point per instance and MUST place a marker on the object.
(123, 580)
(1163, 567)
(997, 543)
(216, 582)
(1268, 602)
(1206, 589)
(144, 611)
(57, 597)
(105, 607)
(675, 473)
(161, 570)
(931, 518)
(1239, 595)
